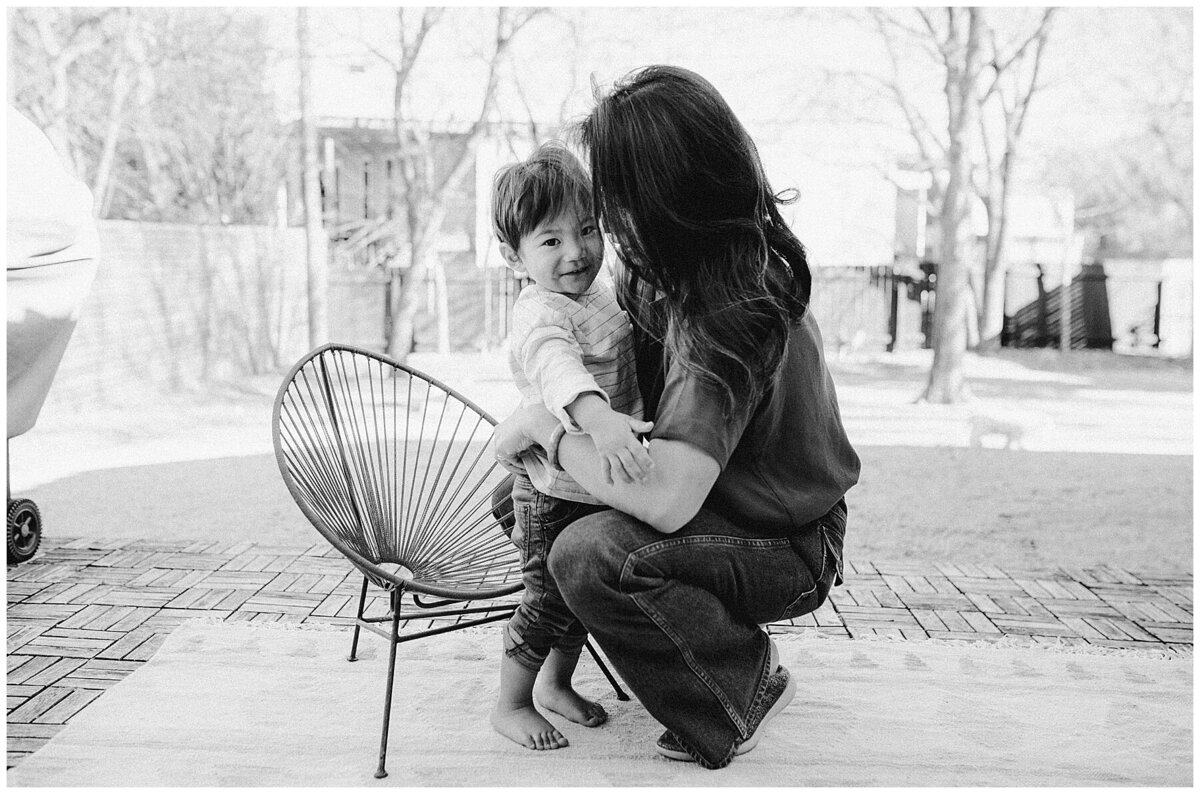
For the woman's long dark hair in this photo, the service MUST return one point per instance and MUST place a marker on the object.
(679, 185)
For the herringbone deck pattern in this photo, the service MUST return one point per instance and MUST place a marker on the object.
(85, 613)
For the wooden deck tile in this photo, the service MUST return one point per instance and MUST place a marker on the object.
(48, 612)
(232, 548)
(43, 645)
(67, 707)
(126, 644)
(303, 583)
(93, 543)
(935, 601)
(953, 620)
(199, 598)
(331, 605)
(929, 620)
(117, 577)
(85, 634)
(193, 562)
(167, 619)
(235, 599)
(19, 591)
(1080, 608)
(983, 602)
(18, 635)
(29, 730)
(979, 622)
(991, 586)
(51, 674)
(87, 612)
(331, 621)
(16, 660)
(238, 580)
(858, 597)
(136, 596)
(887, 598)
(1033, 589)
(1081, 627)
(144, 650)
(1170, 632)
(1108, 628)
(129, 618)
(35, 706)
(1131, 644)
(897, 583)
(920, 584)
(31, 667)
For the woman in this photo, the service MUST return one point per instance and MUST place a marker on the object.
(742, 518)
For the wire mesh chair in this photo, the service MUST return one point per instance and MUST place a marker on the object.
(394, 469)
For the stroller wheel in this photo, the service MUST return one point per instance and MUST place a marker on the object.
(24, 530)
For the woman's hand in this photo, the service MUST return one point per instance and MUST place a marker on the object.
(515, 434)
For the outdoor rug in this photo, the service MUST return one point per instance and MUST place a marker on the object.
(234, 704)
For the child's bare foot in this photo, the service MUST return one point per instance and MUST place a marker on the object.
(525, 726)
(566, 702)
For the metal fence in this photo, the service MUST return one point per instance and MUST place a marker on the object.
(871, 307)
(1118, 310)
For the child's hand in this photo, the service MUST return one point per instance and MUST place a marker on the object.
(621, 453)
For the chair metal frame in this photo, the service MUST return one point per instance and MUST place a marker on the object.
(430, 601)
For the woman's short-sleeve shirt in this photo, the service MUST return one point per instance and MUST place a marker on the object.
(784, 462)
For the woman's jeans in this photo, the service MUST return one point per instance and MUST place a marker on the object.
(680, 615)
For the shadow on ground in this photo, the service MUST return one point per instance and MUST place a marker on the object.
(1008, 508)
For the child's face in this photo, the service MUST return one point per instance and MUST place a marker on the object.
(561, 254)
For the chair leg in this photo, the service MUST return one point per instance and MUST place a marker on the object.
(387, 701)
(621, 694)
(362, 603)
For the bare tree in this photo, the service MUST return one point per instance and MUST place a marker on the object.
(192, 84)
(310, 177)
(1133, 187)
(432, 166)
(952, 38)
(1014, 81)
(57, 51)
(958, 43)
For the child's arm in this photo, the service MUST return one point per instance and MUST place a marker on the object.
(548, 356)
(615, 436)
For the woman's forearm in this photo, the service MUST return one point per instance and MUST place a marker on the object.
(668, 498)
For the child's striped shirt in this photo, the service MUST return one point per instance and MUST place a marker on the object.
(561, 347)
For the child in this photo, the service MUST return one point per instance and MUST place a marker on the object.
(571, 351)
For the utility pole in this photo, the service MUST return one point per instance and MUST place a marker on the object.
(318, 326)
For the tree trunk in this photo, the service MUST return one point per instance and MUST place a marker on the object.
(991, 314)
(318, 323)
(407, 291)
(946, 381)
(443, 305)
(101, 188)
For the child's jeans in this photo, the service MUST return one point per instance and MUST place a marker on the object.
(542, 621)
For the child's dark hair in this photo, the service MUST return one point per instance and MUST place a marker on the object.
(679, 185)
(526, 193)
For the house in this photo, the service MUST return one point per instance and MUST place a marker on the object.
(360, 182)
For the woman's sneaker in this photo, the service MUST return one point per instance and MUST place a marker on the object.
(781, 687)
